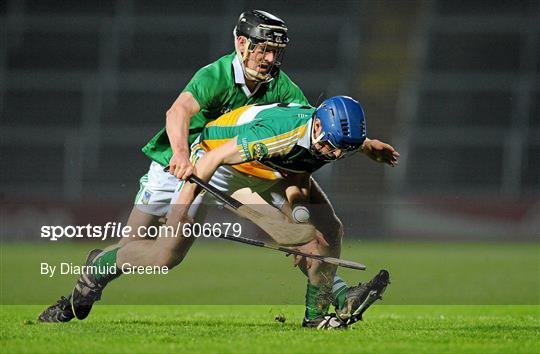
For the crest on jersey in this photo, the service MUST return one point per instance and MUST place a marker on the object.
(146, 197)
(259, 151)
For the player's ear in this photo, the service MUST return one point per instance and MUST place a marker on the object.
(317, 126)
(316, 130)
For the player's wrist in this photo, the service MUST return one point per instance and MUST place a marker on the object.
(366, 144)
(180, 150)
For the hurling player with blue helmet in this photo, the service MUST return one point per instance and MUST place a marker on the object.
(274, 149)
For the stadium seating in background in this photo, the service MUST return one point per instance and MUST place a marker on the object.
(470, 131)
(98, 77)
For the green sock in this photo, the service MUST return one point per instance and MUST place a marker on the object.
(106, 269)
(339, 292)
(316, 301)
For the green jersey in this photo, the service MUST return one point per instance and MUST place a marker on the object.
(219, 88)
(273, 139)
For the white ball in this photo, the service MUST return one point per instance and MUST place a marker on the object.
(300, 214)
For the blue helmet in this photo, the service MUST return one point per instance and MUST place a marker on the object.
(343, 122)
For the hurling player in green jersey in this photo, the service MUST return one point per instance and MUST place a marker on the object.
(249, 75)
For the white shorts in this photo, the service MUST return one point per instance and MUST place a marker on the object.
(156, 192)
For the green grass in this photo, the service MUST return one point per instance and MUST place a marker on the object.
(222, 272)
(252, 329)
(444, 298)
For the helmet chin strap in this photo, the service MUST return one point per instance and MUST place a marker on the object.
(327, 156)
(317, 139)
(256, 76)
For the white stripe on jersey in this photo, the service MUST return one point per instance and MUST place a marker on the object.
(279, 145)
(249, 114)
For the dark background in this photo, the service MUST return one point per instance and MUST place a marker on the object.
(453, 85)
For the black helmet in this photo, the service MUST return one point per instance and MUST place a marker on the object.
(261, 26)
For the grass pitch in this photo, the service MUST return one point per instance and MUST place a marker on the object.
(252, 329)
(223, 273)
(444, 298)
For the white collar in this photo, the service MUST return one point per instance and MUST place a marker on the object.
(240, 79)
(305, 140)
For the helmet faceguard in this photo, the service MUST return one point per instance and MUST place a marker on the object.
(343, 125)
(263, 32)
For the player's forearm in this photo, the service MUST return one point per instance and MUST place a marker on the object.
(226, 154)
(204, 169)
(206, 166)
(177, 127)
(177, 121)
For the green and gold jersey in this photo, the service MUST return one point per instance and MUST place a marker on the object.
(273, 139)
(219, 88)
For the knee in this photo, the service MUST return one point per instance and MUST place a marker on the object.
(168, 259)
(338, 226)
(334, 231)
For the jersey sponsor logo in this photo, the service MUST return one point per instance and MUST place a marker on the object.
(245, 146)
(259, 151)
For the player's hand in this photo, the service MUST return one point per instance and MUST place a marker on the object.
(180, 166)
(311, 247)
(380, 152)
